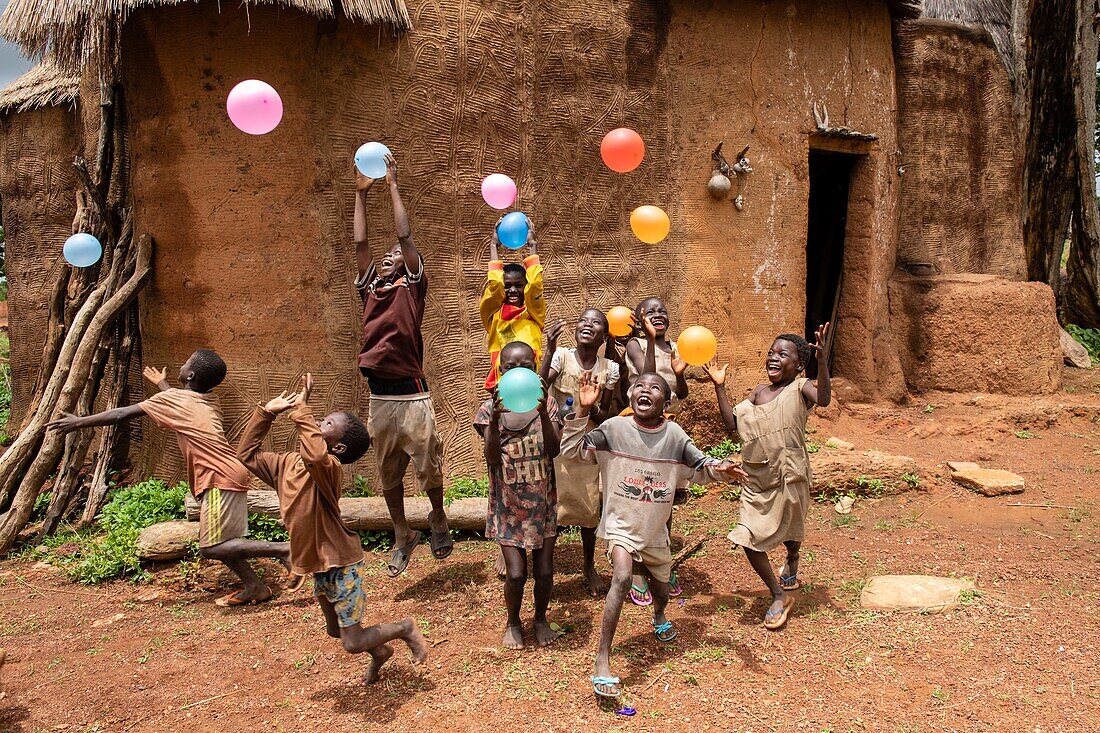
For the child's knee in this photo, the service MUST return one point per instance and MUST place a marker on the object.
(351, 646)
(516, 576)
(620, 579)
(544, 577)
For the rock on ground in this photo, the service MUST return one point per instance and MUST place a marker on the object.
(925, 593)
(882, 473)
(167, 540)
(839, 444)
(986, 481)
(1073, 353)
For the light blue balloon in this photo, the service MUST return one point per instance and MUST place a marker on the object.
(370, 159)
(82, 250)
(520, 389)
(512, 230)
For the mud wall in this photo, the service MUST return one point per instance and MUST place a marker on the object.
(37, 189)
(960, 195)
(255, 254)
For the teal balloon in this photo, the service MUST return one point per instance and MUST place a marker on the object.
(520, 389)
(512, 230)
(370, 159)
(82, 250)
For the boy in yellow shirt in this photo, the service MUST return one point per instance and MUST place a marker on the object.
(512, 306)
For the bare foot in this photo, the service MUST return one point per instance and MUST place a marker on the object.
(513, 637)
(501, 568)
(544, 635)
(596, 587)
(378, 656)
(418, 645)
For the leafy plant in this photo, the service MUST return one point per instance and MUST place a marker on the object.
(929, 409)
(360, 487)
(1087, 337)
(911, 479)
(812, 446)
(376, 539)
(733, 493)
(465, 487)
(724, 449)
(266, 529)
(872, 486)
(1024, 434)
(697, 490)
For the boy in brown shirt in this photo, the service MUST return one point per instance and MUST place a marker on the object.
(218, 480)
(309, 485)
(402, 416)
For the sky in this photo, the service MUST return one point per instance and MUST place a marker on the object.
(12, 63)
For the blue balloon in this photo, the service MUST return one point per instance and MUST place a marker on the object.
(82, 250)
(370, 159)
(512, 230)
(520, 389)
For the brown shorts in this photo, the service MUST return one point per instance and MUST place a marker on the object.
(223, 516)
(403, 430)
(657, 560)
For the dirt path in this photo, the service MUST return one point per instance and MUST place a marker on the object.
(1020, 656)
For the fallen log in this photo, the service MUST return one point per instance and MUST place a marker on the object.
(170, 540)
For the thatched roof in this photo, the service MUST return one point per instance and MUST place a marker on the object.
(77, 32)
(904, 9)
(46, 85)
(993, 15)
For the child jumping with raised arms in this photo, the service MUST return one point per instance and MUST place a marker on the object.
(578, 484)
(308, 482)
(772, 427)
(522, 514)
(642, 458)
(512, 305)
(218, 480)
(402, 416)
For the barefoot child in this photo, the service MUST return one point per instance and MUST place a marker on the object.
(578, 484)
(512, 306)
(772, 425)
(402, 416)
(642, 459)
(217, 478)
(308, 482)
(522, 515)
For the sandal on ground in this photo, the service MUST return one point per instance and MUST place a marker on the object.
(775, 620)
(236, 598)
(789, 582)
(294, 582)
(640, 596)
(400, 559)
(606, 683)
(674, 588)
(441, 542)
(664, 631)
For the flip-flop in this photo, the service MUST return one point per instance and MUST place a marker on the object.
(664, 631)
(441, 542)
(599, 681)
(640, 596)
(294, 582)
(675, 590)
(789, 582)
(775, 620)
(234, 600)
(400, 558)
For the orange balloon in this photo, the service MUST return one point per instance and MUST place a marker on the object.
(622, 150)
(697, 345)
(619, 321)
(649, 223)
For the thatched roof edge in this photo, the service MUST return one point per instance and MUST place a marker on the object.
(45, 85)
(904, 9)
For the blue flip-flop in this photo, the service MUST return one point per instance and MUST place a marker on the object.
(789, 582)
(599, 681)
(664, 631)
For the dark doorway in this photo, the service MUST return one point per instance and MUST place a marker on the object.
(830, 179)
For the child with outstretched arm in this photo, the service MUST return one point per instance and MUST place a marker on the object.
(522, 514)
(642, 458)
(309, 483)
(772, 426)
(512, 305)
(402, 416)
(218, 480)
(578, 484)
(655, 352)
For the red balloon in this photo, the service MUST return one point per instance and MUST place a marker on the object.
(622, 150)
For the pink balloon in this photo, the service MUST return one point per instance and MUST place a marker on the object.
(254, 107)
(498, 190)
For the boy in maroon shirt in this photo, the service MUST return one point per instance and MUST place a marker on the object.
(402, 417)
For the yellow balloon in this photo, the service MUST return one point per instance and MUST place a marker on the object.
(618, 321)
(697, 345)
(649, 223)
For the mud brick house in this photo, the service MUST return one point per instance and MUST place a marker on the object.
(893, 210)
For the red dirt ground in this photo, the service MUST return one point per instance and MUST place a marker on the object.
(161, 656)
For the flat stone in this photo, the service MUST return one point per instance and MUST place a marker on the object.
(926, 593)
(1073, 353)
(167, 540)
(839, 472)
(954, 466)
(989, 481)
(839, 444)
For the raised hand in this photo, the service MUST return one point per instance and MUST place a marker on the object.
(589, 391)
(820, 336)
(282, 402)
(553, 333)
(543, 397)
(391, 169)
(498, 407)
(362, 183)
(158, 377)
(650, 329)
(679, 366)
(716, 373)
(304, 391)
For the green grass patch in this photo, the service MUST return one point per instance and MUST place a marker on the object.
(465, 487)
(725, 449)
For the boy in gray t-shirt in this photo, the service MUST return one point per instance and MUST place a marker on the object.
(642, 459)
